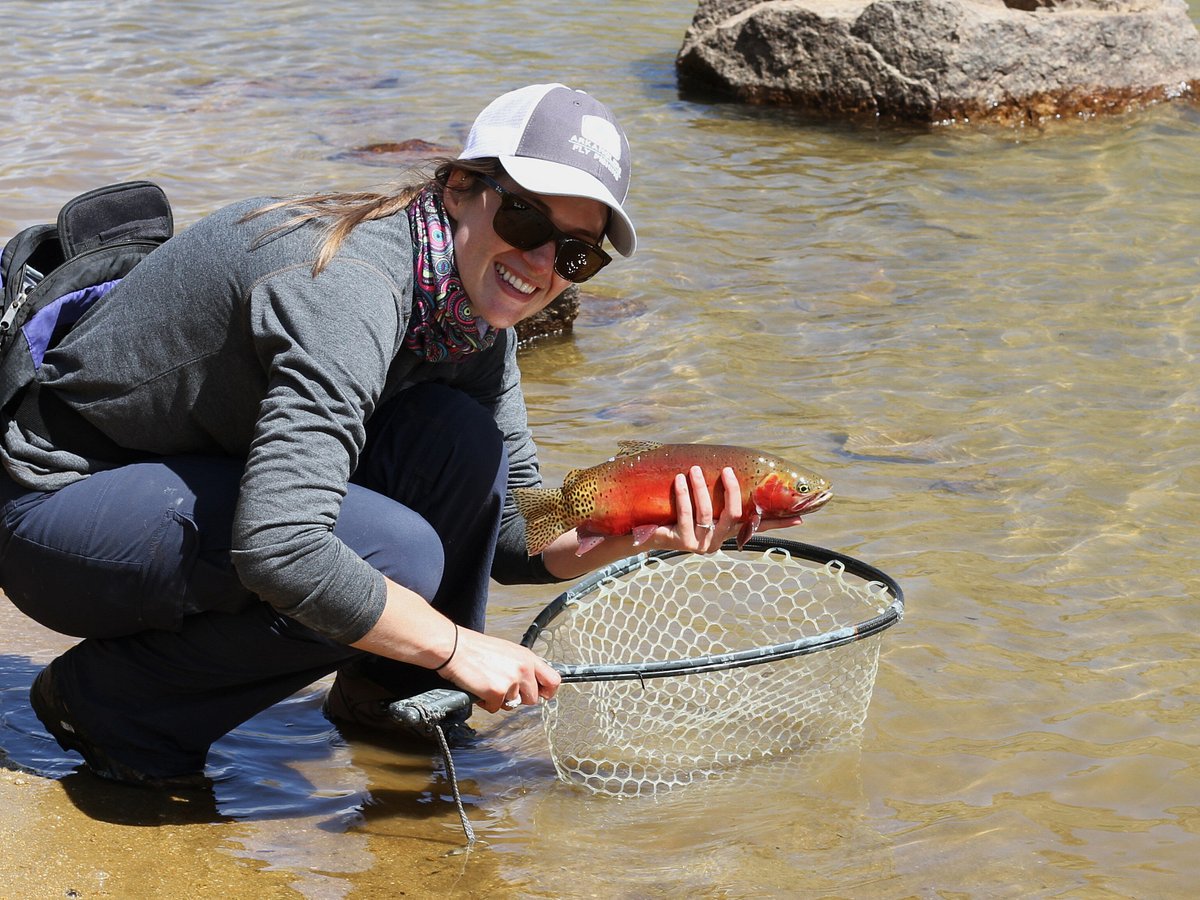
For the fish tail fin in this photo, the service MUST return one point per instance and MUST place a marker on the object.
(545, 516)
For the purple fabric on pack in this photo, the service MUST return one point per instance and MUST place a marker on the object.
(65, 310)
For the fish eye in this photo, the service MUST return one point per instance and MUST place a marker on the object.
(803, 487)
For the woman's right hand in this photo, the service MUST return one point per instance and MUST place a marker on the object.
(495, 671)
(490, 668)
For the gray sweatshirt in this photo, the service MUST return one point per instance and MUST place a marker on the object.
(212, 347)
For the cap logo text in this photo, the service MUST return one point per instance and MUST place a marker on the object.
(599, 139)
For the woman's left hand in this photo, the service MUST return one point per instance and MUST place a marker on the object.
(697, 529)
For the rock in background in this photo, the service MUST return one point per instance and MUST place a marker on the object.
(942, 61)
(557, 318)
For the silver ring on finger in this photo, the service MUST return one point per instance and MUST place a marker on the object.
(512, 703)
(709, 527)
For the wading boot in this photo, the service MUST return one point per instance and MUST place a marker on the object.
(52, 709)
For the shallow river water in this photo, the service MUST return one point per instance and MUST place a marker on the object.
(989, 340)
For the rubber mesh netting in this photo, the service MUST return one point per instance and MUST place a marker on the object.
(652, 734)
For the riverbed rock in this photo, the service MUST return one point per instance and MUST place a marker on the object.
(390, 154)
(558, 317)
(943, 61)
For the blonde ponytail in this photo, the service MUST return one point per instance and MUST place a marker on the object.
(342, 212)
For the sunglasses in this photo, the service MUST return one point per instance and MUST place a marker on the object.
(526, 227)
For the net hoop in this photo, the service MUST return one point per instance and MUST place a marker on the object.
(834, 562)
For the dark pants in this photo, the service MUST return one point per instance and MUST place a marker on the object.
(176, 652)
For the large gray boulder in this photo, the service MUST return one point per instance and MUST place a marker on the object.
(943, 60)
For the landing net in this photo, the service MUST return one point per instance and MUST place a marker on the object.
(678, 667)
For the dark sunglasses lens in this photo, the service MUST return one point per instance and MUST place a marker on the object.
(578, 261)
(527, 228)
(522, 226)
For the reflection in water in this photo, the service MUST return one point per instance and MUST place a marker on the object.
(987, 338)
(689, 841)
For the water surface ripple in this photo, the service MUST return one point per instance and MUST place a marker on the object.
(987, 339)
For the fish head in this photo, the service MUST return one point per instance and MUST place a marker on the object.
(783, 494)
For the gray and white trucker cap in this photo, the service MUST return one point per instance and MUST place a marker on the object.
(553, 140)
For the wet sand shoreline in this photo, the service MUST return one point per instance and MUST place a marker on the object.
(79, 836)
(53, 849)
(67, 833)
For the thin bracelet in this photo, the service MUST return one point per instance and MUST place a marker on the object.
(452, 651)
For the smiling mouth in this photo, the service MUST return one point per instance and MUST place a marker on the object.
(510, 278)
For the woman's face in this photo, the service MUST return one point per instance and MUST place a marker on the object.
(505, 284)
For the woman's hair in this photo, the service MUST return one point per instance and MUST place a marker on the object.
(341, 212)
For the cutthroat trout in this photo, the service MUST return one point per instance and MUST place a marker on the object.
(632, 493)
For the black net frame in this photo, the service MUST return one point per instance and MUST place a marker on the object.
(716, 662)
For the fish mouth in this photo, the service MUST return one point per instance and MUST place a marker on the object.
(807, 506)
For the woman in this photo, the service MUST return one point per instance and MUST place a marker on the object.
(283, 446)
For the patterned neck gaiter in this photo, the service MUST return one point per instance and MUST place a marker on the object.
(443, 327)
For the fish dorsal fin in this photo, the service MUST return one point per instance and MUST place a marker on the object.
(631, 448)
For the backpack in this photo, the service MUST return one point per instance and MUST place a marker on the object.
(52, 274)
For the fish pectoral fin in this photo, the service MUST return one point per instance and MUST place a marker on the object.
(749, 527)
(588, 542)
(632, 448)
(643, 533)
